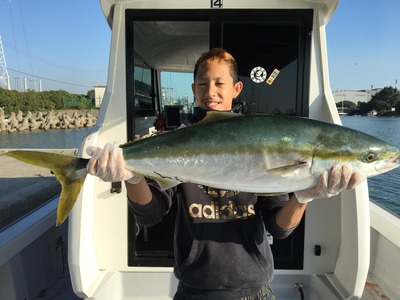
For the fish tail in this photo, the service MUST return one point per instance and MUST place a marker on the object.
(70, 172)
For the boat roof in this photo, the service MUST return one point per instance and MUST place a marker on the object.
(107, 5)
(176, 45)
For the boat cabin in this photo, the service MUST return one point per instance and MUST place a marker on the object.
(280, 48)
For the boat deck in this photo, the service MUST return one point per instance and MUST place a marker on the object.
(59, 289)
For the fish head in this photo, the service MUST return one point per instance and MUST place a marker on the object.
(366, 154)
(380, 160)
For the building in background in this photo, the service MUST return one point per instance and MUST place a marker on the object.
(99, 91)
(355, 96)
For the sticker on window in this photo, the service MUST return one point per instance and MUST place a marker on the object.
(272, 77)
(258, 74)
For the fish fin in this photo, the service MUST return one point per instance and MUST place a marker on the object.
(165, 182)
(271, 194)
(289, 170)
(70, 171)
(212, 116)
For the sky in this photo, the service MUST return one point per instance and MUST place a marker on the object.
(363, 39)
(66, 44)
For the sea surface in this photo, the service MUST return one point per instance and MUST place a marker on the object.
(384, 189)
(50, 139)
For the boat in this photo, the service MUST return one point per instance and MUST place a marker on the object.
(346, 247)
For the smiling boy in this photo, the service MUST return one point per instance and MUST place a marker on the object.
(220, 245)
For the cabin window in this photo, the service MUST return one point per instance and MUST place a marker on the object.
(141, 92)
(177, 99)
(142, 87)
(176, 89)
(143, 101)
(268, 65)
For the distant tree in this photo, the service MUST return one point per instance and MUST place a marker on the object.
(389, 95)
(385, 99)
(380, 105)
(13, 101)
(397, 107)
(365, 106)
(346, 104)
(56, 97)
(91, 95)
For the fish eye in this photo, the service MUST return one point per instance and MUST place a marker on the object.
(369, 157)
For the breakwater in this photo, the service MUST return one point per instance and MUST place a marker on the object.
(47, 120)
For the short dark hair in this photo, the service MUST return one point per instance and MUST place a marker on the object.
(218, 54)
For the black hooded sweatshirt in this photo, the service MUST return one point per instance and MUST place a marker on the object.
(220, 243)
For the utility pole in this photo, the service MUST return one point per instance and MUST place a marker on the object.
(4, 78)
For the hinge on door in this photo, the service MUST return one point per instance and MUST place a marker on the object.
(115, 187)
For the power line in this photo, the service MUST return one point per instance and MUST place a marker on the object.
(49, 79)
(26, 41)
(19, 51)
(13, 31)
(53, 64)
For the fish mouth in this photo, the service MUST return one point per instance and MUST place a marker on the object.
(388, 164)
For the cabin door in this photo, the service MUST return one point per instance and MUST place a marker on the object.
(272, 50)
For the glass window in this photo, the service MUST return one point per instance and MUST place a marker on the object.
(176, 89)
(144, 96)
(143, 88)
(268, 65)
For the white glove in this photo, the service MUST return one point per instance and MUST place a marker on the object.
(339, 179)
(109, 165)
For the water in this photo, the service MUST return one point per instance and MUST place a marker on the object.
(384, 189)
(52, 139)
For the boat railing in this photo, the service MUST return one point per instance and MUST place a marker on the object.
(385, 248)
(17, 236)
(385, 222)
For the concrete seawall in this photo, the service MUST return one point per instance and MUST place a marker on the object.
(66, 119)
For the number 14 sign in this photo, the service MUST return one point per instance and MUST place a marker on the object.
(217, 3)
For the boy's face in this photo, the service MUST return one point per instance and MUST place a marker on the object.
(214, 88)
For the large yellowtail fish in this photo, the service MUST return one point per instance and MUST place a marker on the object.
(250, 153)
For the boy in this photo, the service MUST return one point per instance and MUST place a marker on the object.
(221, 250)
